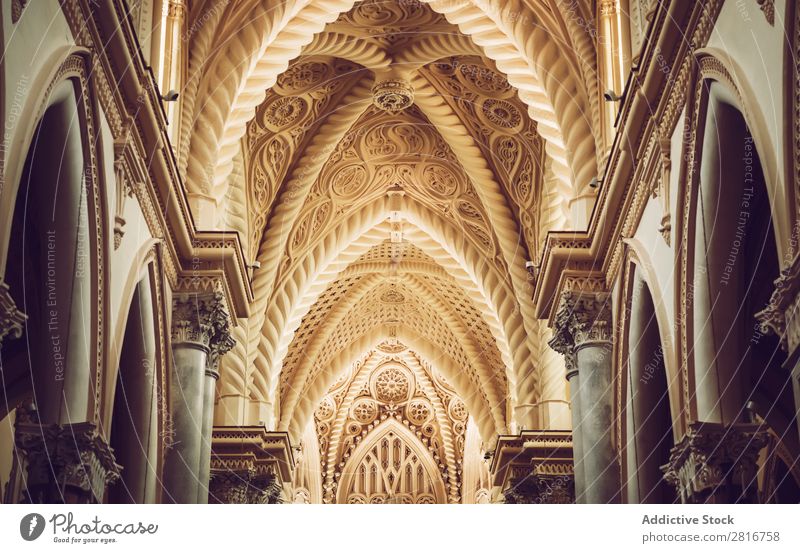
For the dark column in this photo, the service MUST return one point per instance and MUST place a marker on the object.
(134, 426)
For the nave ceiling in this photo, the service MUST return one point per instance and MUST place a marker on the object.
(390, 167)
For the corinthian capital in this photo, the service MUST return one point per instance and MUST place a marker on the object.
(70, 463)
(780, 315)
(715, 463)
(12, 319)
(202, 318)
(581, 318)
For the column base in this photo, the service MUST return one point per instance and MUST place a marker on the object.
(717, 463)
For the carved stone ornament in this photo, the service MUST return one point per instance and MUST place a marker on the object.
(768, 8)
(535, 467)
(17, 6)
(535, 488)
(393, 95)
(129, 176)
(249, 465)
(12, 320)
(69, 463)
(245, 485)
(716, 463)
(663, 191)
(581, 318)
(780, 314)
(202, 318)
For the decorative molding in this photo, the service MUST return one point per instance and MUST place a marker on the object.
(130, 176)
(534, 467)
(663, 191)
(249, 465)
(162, 198)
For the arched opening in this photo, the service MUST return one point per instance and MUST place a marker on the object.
(51, 277)
(648, 419)
(134, 421)
(391, 466)
(739, 371)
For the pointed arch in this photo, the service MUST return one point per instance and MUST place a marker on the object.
(391, 428)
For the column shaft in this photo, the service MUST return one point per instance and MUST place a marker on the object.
(599, 459)
(182, 466)
(583, 334)
(210, 388)
(577, 435)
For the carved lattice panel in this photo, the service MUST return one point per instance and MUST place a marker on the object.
(393, 468)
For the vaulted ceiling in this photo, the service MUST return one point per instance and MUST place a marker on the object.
(390, 166)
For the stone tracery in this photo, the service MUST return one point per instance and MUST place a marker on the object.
(376, 398)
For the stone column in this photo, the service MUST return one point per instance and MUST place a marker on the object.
(649, 423)
(577, 417)
(200, 324)
(583, 335)
(717, 463)
(134, 423)
(222, 345)
(70, 463)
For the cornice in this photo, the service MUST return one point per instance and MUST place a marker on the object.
(232, 444)
(527, 449)
(652, 95)
(128, 93)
